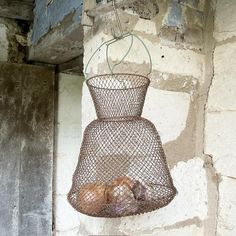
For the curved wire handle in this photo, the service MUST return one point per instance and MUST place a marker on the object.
(111, 41)
(111, 68)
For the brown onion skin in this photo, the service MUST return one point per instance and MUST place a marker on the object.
(139, 191)
(92, 198)
(123, 180)
(124, 208)
(120, 194)
(119, 190)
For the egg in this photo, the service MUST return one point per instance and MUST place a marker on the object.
(92, 198)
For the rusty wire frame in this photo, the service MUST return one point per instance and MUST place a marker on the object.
(122, 167)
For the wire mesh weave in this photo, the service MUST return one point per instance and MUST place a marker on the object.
(122, 167)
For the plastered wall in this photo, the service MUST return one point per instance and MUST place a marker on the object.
(67, 140)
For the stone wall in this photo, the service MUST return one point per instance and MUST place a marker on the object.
(220, 138)
(179, 36)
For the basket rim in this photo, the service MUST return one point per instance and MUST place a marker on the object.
(129, 74)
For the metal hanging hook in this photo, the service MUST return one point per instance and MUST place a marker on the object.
(115, 39)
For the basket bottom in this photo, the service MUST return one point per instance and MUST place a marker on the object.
(128, 208)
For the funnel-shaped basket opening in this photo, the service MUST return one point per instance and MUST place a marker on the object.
(118, 95)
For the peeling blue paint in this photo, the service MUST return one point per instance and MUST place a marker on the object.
(47, 17)
(174, 17)
(191, 3)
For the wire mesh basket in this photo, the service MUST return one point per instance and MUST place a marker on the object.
(122, 167)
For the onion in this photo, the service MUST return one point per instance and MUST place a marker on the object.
(139, 191)
(127, 207)
(92, 198)
(123, 181)
(119, 190)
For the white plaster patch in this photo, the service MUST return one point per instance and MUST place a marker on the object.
(168, 111)
(95, 226)
(68, 130)
(227, 207)
(225, 20)
(69, 138)
(191, 182)
(69, 115)
(68, 146)
(146, 26)
(225, 59)
(220, 141)
(222, 94)
(69, 97)
(88, 109)
(4, 44)
(90, 47)
(73, 232)
(191, 230)
(66, 217)
(164, 59)
(65, 168)
(222, 91)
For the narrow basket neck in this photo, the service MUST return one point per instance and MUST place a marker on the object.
(118, 96)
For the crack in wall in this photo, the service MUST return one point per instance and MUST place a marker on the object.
(189, 222)
(193, 221)
(230, 177)
(213, 177)
(210, 223)
(228, 40)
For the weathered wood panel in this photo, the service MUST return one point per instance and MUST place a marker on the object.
(34, 152)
